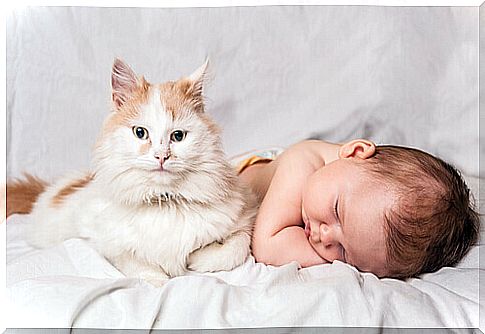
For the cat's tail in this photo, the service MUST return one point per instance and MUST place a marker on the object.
(23, 193)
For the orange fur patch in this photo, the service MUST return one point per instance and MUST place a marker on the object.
(144, 148)
(170, 97)
(176, 95)
(70, 189)
(213, 127)
(130, 109)
(22, 194)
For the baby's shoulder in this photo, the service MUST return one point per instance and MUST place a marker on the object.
(300, 160)
(307, 152)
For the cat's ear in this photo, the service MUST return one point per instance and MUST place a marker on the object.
(196, 85)
(124, 82)
(198, 77)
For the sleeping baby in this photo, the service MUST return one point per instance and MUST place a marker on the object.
(393, 211)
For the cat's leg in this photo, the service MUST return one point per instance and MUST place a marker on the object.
(216, 256)
(134, 267)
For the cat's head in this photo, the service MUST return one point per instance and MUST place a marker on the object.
(158, 138)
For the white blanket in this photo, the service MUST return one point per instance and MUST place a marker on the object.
(279, 74)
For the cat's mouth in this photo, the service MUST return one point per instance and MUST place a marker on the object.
(160, 169)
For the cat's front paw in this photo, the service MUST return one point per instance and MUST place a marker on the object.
(209, 259)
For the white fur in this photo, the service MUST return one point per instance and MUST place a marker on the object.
(154, 225)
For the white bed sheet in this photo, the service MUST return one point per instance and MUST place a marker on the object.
(73, 286)
(400, 75)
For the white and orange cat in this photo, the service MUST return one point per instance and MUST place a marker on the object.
(160, 198)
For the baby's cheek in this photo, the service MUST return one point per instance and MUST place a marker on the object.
(303, 213)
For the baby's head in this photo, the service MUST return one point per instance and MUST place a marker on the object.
(433, 222)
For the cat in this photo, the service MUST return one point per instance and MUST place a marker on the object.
(160, 197)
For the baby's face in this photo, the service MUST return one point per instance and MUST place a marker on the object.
(343, 212)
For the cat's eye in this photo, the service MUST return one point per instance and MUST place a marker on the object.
(140, 133)
(178, 135)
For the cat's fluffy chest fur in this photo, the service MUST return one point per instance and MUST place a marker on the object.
(160, 197)
(161, 233)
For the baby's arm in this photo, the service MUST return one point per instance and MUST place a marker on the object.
(278, 236)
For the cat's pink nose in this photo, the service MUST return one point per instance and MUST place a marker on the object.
(162, 158)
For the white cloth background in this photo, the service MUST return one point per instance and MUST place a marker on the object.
(279, 74)
(400, 75)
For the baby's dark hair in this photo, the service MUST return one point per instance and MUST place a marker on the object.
(434, 222)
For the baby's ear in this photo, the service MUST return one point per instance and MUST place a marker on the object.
(124, 82)
(358, 148)
(194, 86)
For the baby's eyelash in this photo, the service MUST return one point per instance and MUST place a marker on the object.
(335, 210)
